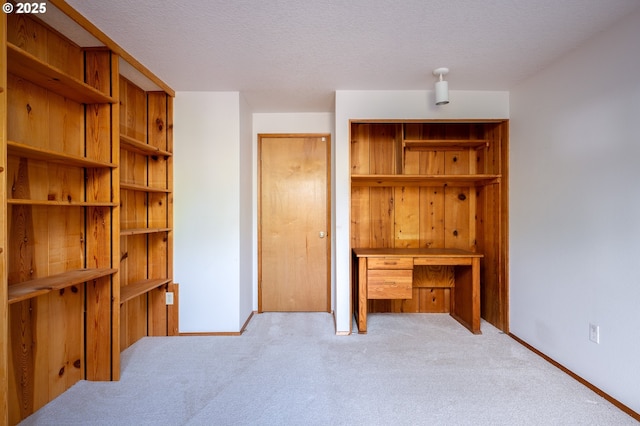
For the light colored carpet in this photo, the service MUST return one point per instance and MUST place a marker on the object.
(291, 369)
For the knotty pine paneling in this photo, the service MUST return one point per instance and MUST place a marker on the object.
(430, 216)
(133, 111)
(32, 110)
(45, 44)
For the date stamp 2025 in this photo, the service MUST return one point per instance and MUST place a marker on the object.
(31, 8)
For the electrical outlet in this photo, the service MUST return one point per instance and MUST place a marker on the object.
(169, 298)
(594, 333)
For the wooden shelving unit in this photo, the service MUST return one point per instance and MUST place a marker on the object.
(39, 286)
(25, 65)
(141, 231)
(60, 209)
(433, 185)
(133, 145)
(146, 219)
(72, 193)
(443, 144)
(423, 180)
(24, 150)
(140, 288)
(142, 188)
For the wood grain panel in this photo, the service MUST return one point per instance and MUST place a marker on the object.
(25, 33)
(98, 326)
(28, 112)
(435, 300)
(65, 239)
(457, 218)
(433, 276)
(382, 217)
(44, 43)
(158, 312)
(157, 210)
(21, 358)
(360, 147)
(65, 339)
(157, 120)
(432, 217)
(98, 116)
(66, 134)
(133, 111)
(407, 217)
(360, 217)
(382, 150)
(22, 245)
(157, 248)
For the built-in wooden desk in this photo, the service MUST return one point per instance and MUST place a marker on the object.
(384, 273)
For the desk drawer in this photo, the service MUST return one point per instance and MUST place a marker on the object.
(390, 263)
(389, 284)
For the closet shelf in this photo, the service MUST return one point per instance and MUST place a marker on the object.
(25, 65)
(39, 286)
(424, 180)
(23, 150)
(138, 288)
(444, 144)
(133, 145)
(142, 188)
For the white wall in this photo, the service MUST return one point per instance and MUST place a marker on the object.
(388, 105)
(247, 224)
(291, 123)
(575, 210)
(208, 222)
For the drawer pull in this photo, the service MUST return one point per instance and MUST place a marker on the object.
(387, 262)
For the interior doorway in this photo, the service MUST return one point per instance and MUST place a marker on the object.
(294, 222)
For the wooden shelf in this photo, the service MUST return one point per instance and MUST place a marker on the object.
(423, 180)
(23, 150)
(29, 67)
(17, 201)
(443, 144)
(142, 188)
(136, 289)
(39, 286)
(133, 145)
(141, 231)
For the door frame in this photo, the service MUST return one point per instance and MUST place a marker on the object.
(328, 236)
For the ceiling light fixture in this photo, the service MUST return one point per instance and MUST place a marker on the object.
(442, 87)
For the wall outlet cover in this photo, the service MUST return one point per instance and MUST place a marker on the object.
(594, 333)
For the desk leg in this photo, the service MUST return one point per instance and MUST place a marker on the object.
(466, 296)
(362, 295)
(475, 295)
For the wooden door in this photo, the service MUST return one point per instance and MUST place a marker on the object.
(293, 221)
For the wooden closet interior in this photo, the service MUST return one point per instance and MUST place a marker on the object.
(434, 184)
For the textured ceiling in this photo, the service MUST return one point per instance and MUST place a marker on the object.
(292, 55)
